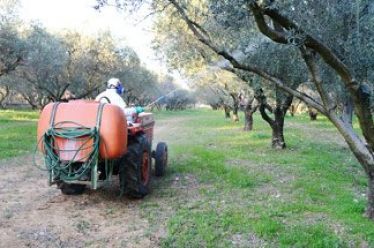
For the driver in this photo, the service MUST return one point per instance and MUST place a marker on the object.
(113, 93)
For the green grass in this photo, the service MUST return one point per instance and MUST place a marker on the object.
(17, 132)
(228, 188)
(309, 195)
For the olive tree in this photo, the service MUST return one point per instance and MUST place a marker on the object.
(43, 68)
(90, 61)
(12, 50)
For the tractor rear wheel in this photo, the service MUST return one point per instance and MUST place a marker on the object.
(161, 157)
(71, 189)
(135, 168)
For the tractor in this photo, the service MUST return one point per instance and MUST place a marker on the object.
(85, 143)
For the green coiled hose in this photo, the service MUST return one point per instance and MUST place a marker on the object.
(65, 170)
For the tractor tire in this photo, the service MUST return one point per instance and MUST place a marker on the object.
(161, 157)
(71, 189)
(135, 168)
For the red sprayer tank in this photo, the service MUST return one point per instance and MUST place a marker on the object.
(73, 114)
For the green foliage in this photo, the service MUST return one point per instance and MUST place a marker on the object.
(12, 47)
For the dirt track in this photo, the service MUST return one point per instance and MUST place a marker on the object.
(36, 215)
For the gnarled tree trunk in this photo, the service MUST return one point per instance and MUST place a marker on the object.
(235, 115)
(294, 107)
(3, 95)
(283, 102)
(249, 110)
(214, 106)
(313, 113)
(292, 110)
(227, 110)
(370, 207)
(277, 140)
(235, 109)
(348, 111)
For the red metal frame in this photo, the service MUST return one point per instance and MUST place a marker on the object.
(137, 127)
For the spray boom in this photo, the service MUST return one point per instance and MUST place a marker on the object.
(161, 97)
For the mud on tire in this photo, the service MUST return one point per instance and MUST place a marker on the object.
(135, 168)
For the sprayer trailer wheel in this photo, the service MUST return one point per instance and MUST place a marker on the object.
(135, 168)
(161, 157)
(71, 189)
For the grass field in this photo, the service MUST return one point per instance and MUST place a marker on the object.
(228, 188)
(17, 132)
(311, 194)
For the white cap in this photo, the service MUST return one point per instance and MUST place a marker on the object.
(113, 82)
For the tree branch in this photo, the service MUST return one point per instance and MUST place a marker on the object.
(264, 27)
(315, 73)
(261, 98)
(152, 13)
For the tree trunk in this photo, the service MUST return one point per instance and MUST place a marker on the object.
(283, 102)
(213, 106)
(348, 111)
(249, 110)
(227, 111)
(235, 116)
(248, 123)
(235, 110)
(3, 96)
(277, 140)
(370, 192)
(292, 110)
(312, 114)
(2, 99)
